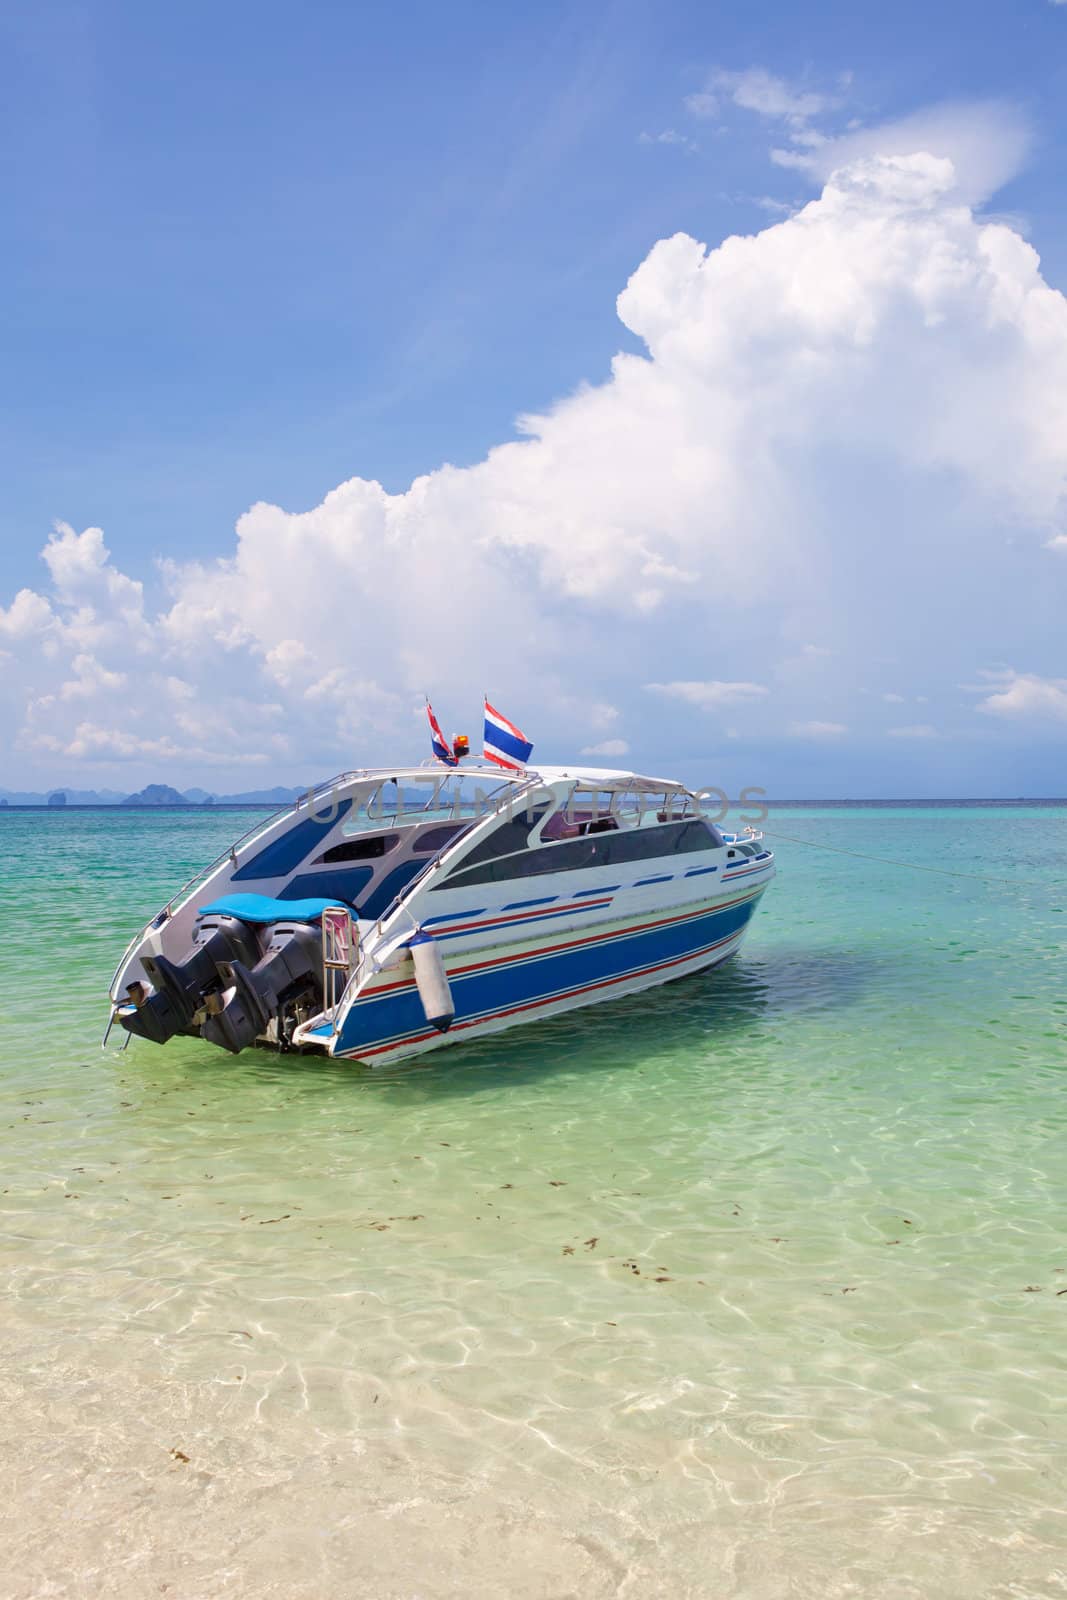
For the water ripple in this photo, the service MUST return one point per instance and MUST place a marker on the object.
(753, 1286)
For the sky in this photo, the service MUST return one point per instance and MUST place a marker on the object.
(691, 378)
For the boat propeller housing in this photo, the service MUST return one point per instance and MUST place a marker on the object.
(242, 977)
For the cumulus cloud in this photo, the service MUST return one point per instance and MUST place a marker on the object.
(709, 696)
(28, 613)
(756, 89)
(82, 574)
(866, 394)
(985, 142)
(90, 679)
(1026, 695)
(607, 747)
(89, 741)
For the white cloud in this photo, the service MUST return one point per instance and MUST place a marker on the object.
(90, 679)
(794, 160)
(757, 90)
(872, 388)
(1026, 695)
(702, 104)
(770, 96)
(288, 661)
(607, 747)
(917, 730)
(82, 572)
(985, 142)
(709, 696)
(113, 745)
(28, 613)
(669, 136)
(894, 699)
(818, 730)
(775, 208)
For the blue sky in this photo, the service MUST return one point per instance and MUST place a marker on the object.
(249, 253)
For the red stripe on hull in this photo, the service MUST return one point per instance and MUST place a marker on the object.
(532, 1005)
(514, 917)
(553, 949)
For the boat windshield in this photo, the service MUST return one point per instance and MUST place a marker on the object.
(602, 809)
(413, 800)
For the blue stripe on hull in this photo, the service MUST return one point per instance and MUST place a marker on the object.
(374, 1022)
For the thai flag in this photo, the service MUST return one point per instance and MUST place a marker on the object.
(503, 743)
(438, 741)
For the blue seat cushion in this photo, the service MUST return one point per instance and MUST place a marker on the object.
(260, 908)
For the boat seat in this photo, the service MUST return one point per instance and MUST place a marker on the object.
(263, 908)
(558, 827)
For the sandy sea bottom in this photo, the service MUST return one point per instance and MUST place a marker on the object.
(753, 1286)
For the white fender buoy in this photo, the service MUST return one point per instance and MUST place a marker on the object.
(431, 981)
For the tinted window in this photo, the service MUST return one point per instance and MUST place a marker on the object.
(505, 840)
(393, 884)
(293, 846)
(361, 849)
(434, 839)
(598, 850)
(342, 885)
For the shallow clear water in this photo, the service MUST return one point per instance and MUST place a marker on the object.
(750, 1286)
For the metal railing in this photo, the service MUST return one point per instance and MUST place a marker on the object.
(181, 896)
(378, 946)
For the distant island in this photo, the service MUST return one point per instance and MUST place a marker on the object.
(153, 794)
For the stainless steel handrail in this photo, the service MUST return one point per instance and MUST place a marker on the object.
(188, 888)
(385, 940)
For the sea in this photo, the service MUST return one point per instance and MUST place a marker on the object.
(754, 1285)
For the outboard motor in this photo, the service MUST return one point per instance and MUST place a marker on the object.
(180, 986)
(251, 996)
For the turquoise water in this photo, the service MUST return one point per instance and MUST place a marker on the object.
(747, 1287)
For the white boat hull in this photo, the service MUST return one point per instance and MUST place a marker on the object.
(518, 982)
(555, 890)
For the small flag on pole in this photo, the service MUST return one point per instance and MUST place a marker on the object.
(503, 743)
(438, 741)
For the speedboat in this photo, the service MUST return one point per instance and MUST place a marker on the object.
(395, 910)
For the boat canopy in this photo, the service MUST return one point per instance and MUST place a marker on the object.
(588, 777)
